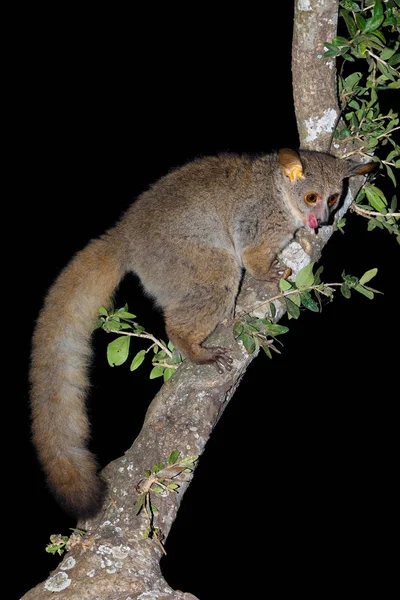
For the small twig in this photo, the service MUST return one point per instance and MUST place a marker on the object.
(371, 213)
(381, 61)
(147, 336)
(358, 151)
(166, 365)
(386, 134)
(282, 295)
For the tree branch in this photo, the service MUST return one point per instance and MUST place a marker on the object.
(314, 77)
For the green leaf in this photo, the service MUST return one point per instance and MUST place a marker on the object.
(176, 357)
(376, 197)
(381, 38)
(350, 280)
(188, 461)
(284, 285)
(341, 224)
(125, 314)
(364, 291)
(352, 80)
(394, 60)
(100, 323)
(272, 308)
(349, 5)
(374, 223)
(267, 350)
(376, 19)
(139, 329)
(275, 329)
(292, 308)
(331, 50)
(391, 175)
(237, 329)
(156, 371)
(308, 302)
(158, 467)
(103, 311)
(388, 74)
(374, 97)
(137, 361)
(340, 41)
(168, 373)
(305, 277)
(295, 298)
(139, 503)
(345, 289)
(351, 26)
(345, 133)
(113, 324)
(172, 487)
(248, 342)
(317, 276)
(387, 53)
(173, 457)
(360, 22)
(118, 350)
(354, 104)
(368, 275)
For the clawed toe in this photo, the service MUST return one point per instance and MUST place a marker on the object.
(278, 272)
(222, 360)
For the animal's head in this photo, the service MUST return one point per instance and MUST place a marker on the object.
(317, 182)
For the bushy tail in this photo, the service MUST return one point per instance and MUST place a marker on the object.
(61, 355)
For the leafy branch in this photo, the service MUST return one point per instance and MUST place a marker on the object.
(161, 479)
(372, 43)
(166, 358)
(255, 332)
(62, 543)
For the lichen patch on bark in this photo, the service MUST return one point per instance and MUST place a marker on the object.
(317, 125)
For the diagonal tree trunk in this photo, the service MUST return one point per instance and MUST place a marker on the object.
(113, 561)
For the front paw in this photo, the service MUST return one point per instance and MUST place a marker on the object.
(277, 272)
(220, 358)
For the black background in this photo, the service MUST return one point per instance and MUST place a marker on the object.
(295, 490)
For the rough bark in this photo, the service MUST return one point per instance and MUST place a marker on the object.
(114, 561)
(314, 77)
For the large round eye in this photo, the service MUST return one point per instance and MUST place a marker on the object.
(333, 199)
(311, 198)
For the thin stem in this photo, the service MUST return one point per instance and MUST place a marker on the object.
(381, 61)
(147, 336)
(371, 213)
(282, 295)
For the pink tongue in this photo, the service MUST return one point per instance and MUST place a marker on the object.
(312, 221)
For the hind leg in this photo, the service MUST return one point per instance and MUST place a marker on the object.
(203, 305)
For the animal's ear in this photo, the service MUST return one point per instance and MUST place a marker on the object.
(290, 163)
(360, 168)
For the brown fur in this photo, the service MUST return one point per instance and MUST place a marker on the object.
(188, 238)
